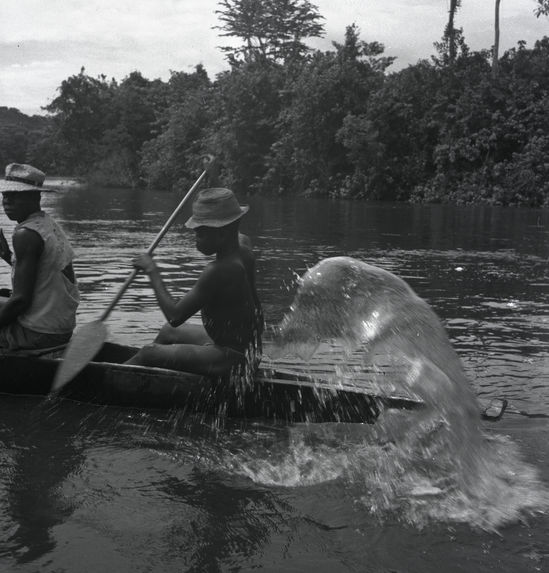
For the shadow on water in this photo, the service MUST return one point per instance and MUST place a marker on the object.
(125, 489)
(34, 467)
(226, 522)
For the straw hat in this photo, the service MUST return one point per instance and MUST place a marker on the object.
(215, 207)
(21, 177)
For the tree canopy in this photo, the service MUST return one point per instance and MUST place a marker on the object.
(288, 119)
(542, 8)
(273, 30)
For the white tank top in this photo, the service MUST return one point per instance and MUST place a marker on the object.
(55, 298)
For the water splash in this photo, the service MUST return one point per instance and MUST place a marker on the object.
(431, 464)
(392, 333)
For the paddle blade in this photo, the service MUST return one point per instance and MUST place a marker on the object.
(84, 345)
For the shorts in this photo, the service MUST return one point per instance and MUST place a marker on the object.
(14, 336)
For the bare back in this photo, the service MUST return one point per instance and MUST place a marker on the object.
(231, 314)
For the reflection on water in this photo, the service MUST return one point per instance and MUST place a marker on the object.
(133, 491)
(35, 466)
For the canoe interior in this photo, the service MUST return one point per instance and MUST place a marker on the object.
(279, 395)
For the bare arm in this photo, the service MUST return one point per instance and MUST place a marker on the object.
(177, 312)
(28, 247)
(5, 251)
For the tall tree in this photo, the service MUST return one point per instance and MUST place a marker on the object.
(542, 9)
(452, 44)
(450, 31)
(272, 30)
(166, 160)
(80, 117)
(495, 59)
(247, 103)
(312, 153)
(132, 117)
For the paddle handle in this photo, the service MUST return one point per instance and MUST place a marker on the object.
(154, 244)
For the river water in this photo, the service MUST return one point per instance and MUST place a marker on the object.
(85, 488)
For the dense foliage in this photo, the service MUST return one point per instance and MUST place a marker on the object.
(20, 135)
(287, 119)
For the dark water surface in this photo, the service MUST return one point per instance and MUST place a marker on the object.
(85, 488)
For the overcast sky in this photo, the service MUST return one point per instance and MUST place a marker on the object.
(42, 42)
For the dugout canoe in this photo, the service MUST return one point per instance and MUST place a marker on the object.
(275, 394)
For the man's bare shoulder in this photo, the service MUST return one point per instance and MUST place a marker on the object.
(27, 241)
(245, 241)
(228, 267)
(246, 250)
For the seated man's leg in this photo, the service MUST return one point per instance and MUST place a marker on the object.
(207, 359)
(14, 336)
(184, 334)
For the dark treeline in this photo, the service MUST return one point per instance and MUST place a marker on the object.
(287, 119)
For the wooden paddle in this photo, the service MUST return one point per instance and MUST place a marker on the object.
(89, 339)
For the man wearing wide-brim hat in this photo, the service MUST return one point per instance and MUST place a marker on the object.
(229, 339)
(41, 309)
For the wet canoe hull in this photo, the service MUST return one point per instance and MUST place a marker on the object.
(276, 395)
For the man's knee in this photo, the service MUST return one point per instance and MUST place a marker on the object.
(165, 335)
(148, 355)
(171, 356)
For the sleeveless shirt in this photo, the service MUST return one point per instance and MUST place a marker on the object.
(55, 298)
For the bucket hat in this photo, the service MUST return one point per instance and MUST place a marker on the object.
(215, 207)
(22, 177)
